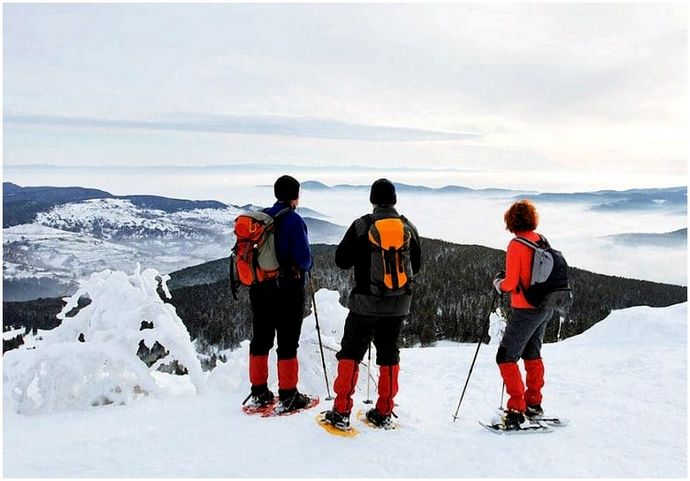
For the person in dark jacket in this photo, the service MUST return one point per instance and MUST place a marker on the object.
(524, 332)
(373, 315)
(278, 304)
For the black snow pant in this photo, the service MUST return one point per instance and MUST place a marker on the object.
(276, 310)
(360, 330)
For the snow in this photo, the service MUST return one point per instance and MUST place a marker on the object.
(12, 333)
(120, 219)
(91, 358)
(31, 232)
(622, 384)
(49, 252)
(107, 217)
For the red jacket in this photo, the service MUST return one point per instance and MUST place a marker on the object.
(519, 270)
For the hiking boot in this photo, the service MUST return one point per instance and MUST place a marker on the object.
(512, 419)
(294, 402)
(379, 420)
(338, 420)
(262, 399)
(534, 410)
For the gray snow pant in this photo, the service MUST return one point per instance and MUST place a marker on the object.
(524, 335)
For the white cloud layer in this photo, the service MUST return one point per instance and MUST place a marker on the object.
(579, 89)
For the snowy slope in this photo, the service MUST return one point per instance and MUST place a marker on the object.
(622, 384)
(34, 250)
(121, 219)
(73, 240)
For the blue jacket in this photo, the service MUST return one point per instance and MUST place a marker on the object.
(292, 244)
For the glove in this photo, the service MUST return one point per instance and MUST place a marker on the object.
(497, 285)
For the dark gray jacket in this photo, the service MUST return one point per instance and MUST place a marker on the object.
(355, 251)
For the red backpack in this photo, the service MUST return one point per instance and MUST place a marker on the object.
(253, 257)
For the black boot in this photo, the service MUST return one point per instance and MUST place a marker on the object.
(379, 420)
(338, 420)
(513, 419)
(260, 396)
(293, 402)
(534, 410)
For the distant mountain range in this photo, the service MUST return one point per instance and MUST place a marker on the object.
(667, 239)
(668, 199)
(400, 187)
(664, 199)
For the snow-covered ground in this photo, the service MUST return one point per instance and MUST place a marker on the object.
(622, 384)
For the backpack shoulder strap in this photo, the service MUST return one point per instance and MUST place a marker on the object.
(281, 212)
(277, 216)
(544, 241)
(526, 242)
(363, 224)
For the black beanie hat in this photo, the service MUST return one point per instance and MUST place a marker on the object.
(286, 188)
(383, 193)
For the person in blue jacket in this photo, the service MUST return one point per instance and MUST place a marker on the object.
(278, 304)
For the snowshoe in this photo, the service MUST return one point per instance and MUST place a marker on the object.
(331, 428)
(375, 419)
(514, 422)
(294, 404)
(259, 403)
(536, 413)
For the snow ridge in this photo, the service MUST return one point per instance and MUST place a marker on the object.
(111, 219)
(92, 357)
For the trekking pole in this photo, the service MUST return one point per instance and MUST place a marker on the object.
(318, 332)
(481, 339)
(503, 390)
(368, 399)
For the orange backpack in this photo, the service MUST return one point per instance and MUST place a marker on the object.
(391, 270)
(253, 257)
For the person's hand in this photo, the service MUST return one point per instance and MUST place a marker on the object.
(497, 285)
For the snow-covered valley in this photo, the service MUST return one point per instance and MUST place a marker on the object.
(46, 258)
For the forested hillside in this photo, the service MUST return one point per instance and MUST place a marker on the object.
(451, 296)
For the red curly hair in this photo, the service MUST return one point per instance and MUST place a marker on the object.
(521, 217)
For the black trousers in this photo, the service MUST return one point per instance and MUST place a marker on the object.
(276, 310)
(360, 330)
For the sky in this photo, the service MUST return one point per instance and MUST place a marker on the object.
(494, 94)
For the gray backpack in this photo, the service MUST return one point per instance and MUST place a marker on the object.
(549, 287)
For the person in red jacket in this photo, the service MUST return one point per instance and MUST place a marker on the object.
(524, 332)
